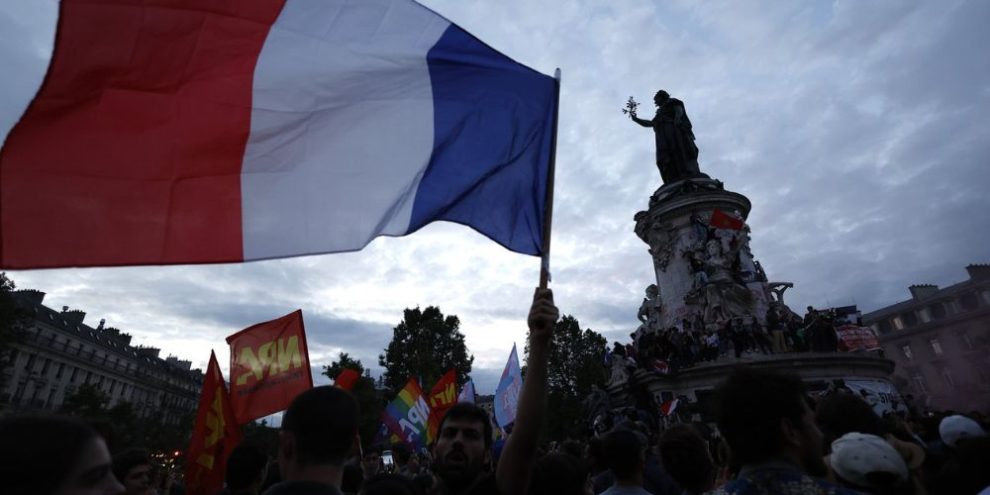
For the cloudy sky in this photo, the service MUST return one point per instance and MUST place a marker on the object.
(860, 131)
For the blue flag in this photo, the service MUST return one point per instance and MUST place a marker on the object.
(507, 394)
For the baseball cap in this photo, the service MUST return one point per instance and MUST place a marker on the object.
(955, 427)
(867, 461)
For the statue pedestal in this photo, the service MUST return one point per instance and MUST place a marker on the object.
(706, 275)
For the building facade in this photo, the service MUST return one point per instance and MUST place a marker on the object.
(57, 353)
(940, 342)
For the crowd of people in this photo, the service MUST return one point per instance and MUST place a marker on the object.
(770, 437)
(693, 343)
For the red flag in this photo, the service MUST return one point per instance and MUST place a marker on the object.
(668, 408)
(347, 379)
(723, 220)
(269, 366)
(214, 435)
(442, 396)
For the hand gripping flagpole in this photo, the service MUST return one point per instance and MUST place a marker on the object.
(548, 207)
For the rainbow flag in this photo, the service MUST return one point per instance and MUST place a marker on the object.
(408, 416)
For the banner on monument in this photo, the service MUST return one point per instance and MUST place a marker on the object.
(269, 366)
(856, 338)
(881, 395)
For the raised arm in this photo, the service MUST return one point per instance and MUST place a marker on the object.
(518, 457)
(642, 122)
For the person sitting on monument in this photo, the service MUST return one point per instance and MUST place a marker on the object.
(772, 436)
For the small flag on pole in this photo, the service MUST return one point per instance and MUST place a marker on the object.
(507, 393)
(214, 435)
(467, 393)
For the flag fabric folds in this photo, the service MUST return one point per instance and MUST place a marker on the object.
(442, 396)
(407, 416)
(207, 131)
(347, 379)
(723, 220)
(467, 393)
(269, 366)
(214, 435)
(507, 393)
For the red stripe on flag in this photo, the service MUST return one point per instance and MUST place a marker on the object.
(131, 152)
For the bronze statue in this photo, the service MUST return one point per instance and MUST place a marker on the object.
(677, 155)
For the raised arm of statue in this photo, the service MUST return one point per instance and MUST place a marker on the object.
(642, 122)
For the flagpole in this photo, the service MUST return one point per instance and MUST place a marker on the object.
(548, 208)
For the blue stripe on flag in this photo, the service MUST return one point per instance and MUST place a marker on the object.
(493, 126)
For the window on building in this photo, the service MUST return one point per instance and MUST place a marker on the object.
(954, 307)
(29, 364)
(950, 381)
(937, 310)
(986, 296)
(906, 349)
(72, 377)
(910, 319)
(925, 315)
(898, 323)
(89, 375)
(936, 346)
(49, 400)
(61, 368)
(113, 386)
(969, 301)
(967, 341)
(44, 367)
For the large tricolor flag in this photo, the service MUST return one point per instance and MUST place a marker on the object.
(200, 131)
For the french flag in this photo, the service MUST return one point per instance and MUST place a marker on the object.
(203, 131)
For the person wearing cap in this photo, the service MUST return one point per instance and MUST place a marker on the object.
(957, 427)
(869, 464)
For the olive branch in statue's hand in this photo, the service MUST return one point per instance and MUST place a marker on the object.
(631, 106)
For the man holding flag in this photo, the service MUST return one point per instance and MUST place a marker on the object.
(463, 445)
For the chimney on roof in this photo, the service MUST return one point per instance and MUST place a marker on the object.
(74, 315)
(31, 295)
(979, 271)
(103, 321)
(922, 291)
(65, 308)
(151, 352)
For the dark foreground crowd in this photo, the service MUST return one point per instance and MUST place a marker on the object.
(772, 439)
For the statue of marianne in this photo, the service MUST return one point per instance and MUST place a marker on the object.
(677, 155)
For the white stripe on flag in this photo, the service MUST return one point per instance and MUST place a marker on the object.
(341, 126)
(28, 28)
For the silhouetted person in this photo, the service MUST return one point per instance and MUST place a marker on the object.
(247, 468)
(52, 455)
(319, 430)
(772, 436)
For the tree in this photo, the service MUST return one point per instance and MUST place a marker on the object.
(88, 402)
(575, 365)
(425, 344)
(369, 399)
(12, 318)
